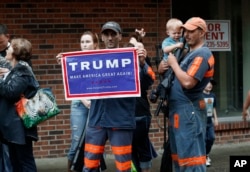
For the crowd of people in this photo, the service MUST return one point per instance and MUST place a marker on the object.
(126, 121)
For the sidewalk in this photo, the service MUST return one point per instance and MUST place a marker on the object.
(220, 155)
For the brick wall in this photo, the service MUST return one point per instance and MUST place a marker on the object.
(233, 132)
(56, 26)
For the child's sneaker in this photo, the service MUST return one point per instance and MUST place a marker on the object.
(208, 161)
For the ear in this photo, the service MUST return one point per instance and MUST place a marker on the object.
(120, 37)
(203, 33)
(102, 37)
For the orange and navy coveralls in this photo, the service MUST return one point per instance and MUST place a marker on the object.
(187, 113)
(113, 119)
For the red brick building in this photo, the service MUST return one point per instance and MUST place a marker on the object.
(56, 26)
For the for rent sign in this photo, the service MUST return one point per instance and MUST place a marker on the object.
(218, 37)
(98, 74)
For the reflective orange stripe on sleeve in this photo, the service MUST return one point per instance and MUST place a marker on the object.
(195, 66)
(209, 73)
(151, 73)
(211, 62)
(95, 149)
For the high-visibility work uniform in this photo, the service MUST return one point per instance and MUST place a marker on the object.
(112, 119)
(187, 113)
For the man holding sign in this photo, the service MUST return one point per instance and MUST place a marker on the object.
(110, 118)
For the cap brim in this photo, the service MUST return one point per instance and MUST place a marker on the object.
(189, 26)
(110, 29)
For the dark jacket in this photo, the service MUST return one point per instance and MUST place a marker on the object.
(20, 81)
(112, 113)
(147, 77)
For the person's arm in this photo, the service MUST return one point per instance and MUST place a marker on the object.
(14, 87)
(186, 81)
(216, 122)
(142, 54)
(141, 32)
(147, 75)
(170, 48)
(163, 67)
(59, 58)
(245, 112)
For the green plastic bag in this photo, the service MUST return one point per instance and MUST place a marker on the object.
(38, 108)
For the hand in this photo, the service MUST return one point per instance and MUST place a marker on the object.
(3, 71)
(86, 103)
(245, 114)
(163, 67)
(216, 123)
(179, 45)
(171, 59)
(141, 32)
(142, 54)
(59, 58)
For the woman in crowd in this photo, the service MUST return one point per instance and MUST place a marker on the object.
(80, 108)
(14, 83)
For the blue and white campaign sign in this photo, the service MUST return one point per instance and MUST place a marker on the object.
(96, 74)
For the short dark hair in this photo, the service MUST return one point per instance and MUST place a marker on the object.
(3, 29)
